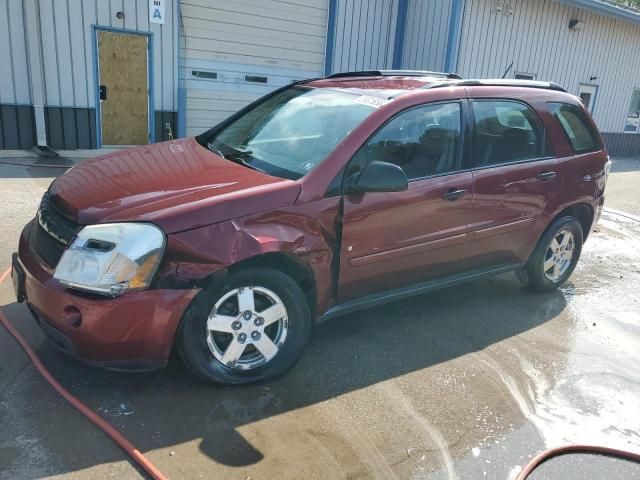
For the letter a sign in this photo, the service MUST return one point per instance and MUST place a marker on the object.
(156, 11)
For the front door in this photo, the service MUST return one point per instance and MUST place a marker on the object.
(390, 240)
(123, 88)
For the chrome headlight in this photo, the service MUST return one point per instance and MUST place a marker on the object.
(112, 258)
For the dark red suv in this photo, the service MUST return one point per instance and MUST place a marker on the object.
(321, 198)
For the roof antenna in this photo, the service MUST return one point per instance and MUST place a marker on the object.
(504, 75)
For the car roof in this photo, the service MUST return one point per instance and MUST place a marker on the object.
(392, 83)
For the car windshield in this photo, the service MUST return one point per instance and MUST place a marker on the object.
(290, 133)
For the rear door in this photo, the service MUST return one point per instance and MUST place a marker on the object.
(390, 240)
(515, 176)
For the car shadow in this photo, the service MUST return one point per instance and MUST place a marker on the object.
(170, 406)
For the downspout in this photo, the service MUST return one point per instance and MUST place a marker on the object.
(36, 68)
(331, 33)
(398, 44)
(182, 92)
(454, 35)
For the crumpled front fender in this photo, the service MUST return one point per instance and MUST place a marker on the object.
(306, 232)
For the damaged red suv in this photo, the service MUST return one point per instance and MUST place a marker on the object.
(321, 198)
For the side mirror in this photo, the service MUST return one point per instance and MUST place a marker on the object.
(379, 177)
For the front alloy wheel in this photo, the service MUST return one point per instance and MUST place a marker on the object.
(254, 327)
(247, 327)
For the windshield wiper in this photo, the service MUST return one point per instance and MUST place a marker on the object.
(235, 157)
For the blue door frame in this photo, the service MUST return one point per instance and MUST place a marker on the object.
(96, 74)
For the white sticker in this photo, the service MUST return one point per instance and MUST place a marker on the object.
(156, 11)
(372, 101)
(307, 166)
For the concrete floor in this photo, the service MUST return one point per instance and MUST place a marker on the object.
(464, 383)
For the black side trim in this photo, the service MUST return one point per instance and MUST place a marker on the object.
(70, 128)
(415, 289)
(622, 144)
(17, 127)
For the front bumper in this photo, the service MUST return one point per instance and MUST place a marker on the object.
(134, 331)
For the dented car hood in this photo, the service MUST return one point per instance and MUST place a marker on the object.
(178, 185)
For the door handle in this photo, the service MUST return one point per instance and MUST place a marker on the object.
(546, 176)
(454, 194)
(103, 92)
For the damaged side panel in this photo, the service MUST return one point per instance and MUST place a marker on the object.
(305, 232)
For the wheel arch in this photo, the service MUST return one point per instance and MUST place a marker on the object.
(289, 264)
(582, 211)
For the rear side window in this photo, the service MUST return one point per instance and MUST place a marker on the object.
(505, 132)
(575, 126)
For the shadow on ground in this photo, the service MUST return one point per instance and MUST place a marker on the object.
(171, 407)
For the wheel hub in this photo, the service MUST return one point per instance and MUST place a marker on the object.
(247, 327)
(559, 255)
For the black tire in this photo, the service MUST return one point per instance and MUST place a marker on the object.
(534, 274)
(192, 343)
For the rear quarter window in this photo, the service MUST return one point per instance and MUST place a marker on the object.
(575, 126)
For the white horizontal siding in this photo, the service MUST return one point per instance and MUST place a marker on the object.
(537, 39)
(283, 41)
(269, 32)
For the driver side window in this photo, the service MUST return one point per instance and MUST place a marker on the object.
(423, 141)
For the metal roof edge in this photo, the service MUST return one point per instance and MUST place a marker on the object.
(606, 8)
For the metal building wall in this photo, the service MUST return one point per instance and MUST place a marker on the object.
(536, 37)
(426, 34)
(364, 35)
(50, 64)
(235, 52)
(17, 123)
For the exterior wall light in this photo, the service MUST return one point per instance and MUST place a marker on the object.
(576, 24)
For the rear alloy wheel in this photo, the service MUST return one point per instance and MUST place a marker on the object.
(555, 256)
(559, 255)
(256, 329)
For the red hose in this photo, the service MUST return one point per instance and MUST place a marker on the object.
(157, 475)
(133, 452)
(553, 452)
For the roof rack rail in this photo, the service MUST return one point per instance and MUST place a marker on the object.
(396, 73)
(499, 82)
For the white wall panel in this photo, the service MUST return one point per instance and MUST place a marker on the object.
(281, 40)
(425, 41)
(364, 35)
(67, 48)
(537, 39)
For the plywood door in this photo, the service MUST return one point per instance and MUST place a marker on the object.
(124, 73)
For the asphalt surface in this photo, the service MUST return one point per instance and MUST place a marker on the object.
(464, 383)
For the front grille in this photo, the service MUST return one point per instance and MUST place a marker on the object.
(55, 223)
(48, 248)
(51, 233)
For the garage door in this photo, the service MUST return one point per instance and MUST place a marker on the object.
(236, 51)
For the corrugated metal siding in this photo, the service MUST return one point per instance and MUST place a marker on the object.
(67, 50)
(13, 54)
(622, 144)
(537, 39)
(425, 41)
(364, 35)
(283, 41)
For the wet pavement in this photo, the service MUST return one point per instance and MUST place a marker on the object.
(464, 383)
